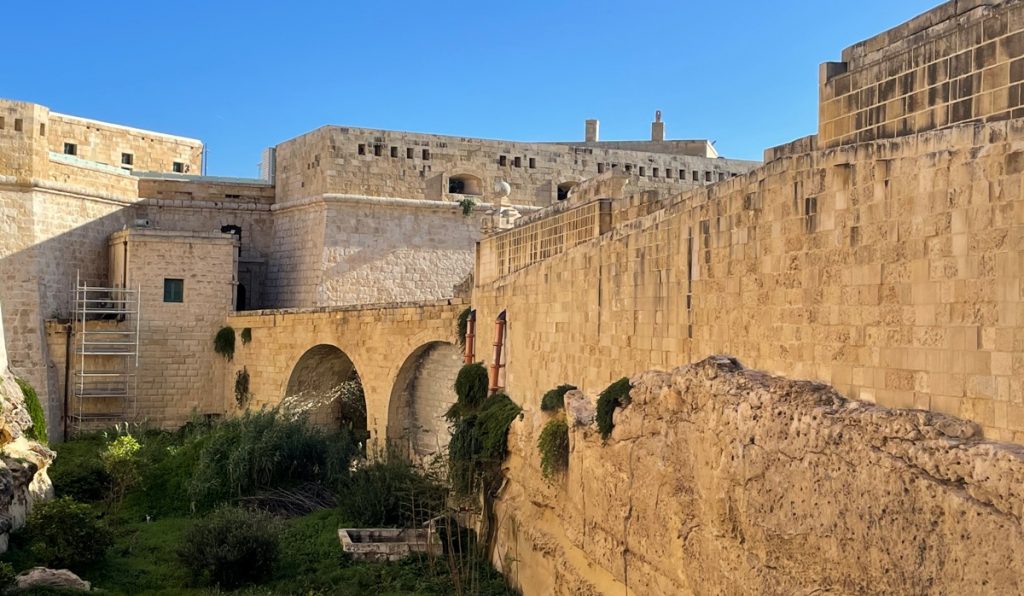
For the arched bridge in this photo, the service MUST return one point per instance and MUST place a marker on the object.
(406, 357)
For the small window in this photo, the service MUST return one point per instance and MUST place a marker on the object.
(127, 159)
(394, 152)
(643, 171)
(654, 172)
(682, 174)
(696, 176)
(42, 130)
(17, 125)
(502, 160)
(721, 176)
(668, 172)
(2, 123)
(629, 168)
(178, 167)
(518, 162)
(362, 149)
(600, 168)
(378, 150)
(707, 176)
(615, 166)
(426, 154)
(533, 163)
(408, 153)
(70, 149)
(174, 290)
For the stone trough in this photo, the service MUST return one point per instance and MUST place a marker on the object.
(387, 544)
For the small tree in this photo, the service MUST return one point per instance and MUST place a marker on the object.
(120, 460)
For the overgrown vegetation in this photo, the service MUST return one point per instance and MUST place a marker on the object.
(479, 443)
(463, 325)
(256, 500)
(230, 548)
(246, 335)
(37, 432)
(224, 342)
(6, 577)
(614, 396)
(553, 445)
(467, 205)
(470, 391)
(554, 399)
(242, 394)
(66, 534)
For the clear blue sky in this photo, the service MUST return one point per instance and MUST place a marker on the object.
(245, 75)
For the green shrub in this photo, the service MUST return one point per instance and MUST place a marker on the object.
(479, 443)
(391, 492)
(470, 390)
(554, 447)
(463, 326)
(224, 342)
(265, 450)
(554, 399)
(246, 335)
(7, 576)
(614, 396)
(230, 548)
(37, 431)
(66, 533)
(121, 462)
(78, 472)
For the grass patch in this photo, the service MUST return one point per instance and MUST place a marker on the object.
(37, 431)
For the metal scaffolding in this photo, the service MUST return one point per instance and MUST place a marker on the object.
(106, 355)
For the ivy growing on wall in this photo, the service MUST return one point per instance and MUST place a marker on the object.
(614, 396)
(242, 394)
(554, 400)
(553, 445)
(246, 335)
(224, 342)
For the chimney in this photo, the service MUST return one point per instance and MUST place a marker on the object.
(593, 126)
(657, 127)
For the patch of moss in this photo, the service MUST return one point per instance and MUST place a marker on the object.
(554, 399)
(224, 342)
(37, 431)
(614, 396)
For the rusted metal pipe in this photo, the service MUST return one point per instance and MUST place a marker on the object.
(470, 339)
(499, 342)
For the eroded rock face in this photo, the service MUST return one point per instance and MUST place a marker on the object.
(722, 480)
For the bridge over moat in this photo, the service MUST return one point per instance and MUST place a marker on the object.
(406, 356)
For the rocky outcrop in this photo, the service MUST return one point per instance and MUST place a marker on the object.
(23, 462)
(720, 480)
(53, 579)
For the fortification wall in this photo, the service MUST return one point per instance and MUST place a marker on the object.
(343, 250)
(418, 166)
(891, 270)
(108, 143)
(961, 61)
(717, 480)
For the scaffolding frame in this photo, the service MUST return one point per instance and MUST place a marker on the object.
(106, 358)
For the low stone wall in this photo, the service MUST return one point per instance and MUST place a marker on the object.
(720, 480)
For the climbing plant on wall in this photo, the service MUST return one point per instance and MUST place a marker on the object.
(614, 396)
(224, 342)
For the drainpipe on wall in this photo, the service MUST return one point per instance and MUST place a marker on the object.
(470, 338)
(499, 342)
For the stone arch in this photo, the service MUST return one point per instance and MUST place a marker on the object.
(325, 385)
(465, 184)
(421, 394)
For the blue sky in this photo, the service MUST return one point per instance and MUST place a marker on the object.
(245, 75)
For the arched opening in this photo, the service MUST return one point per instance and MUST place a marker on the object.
(563, 190)
(422, 394)
(325, 386)
(465, 184)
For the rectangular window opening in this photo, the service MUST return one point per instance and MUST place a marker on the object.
(518, 162)
(408, 153)
(426, 154)
(394, 152)
(174, 290)
(696, 176)
(178, 167)
(600, 168)
(643, 171)
(362, 149)
(707, 176)
(70, 149)
(42, 130)
(127, 159)
(378, 150)
(533, 163)
(18, 124)
(502, 160)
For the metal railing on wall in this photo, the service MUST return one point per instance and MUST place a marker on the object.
(520, 247)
